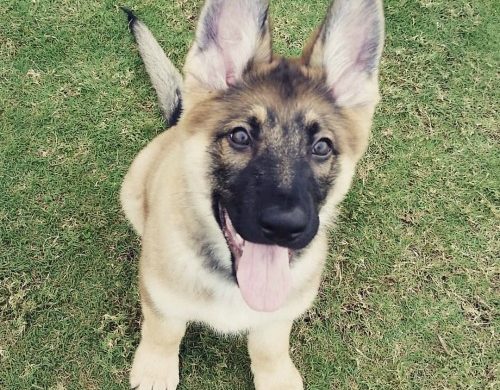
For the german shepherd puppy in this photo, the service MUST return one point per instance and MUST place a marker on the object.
(234, 202)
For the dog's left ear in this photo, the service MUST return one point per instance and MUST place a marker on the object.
(231, 35)
(348, 47)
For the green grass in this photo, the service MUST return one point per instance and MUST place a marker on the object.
(410, 297)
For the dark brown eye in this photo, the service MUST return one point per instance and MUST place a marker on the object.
(240, 138)
(323, 148)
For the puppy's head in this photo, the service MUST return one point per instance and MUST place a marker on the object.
(278, 138)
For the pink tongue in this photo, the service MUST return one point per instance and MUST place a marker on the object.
(263, 274)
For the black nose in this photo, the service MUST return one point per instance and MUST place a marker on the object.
(282, 226)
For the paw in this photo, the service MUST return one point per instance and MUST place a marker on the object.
(286, 377)
(152, 370)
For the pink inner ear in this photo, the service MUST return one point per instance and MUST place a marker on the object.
(237, 36)
(227, 40)
(232, 41)
(230, 75)
(351, 52)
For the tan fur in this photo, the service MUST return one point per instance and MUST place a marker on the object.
(157, 357)
(168, 179)
(271, 364)
(167, 197)
(164, 76)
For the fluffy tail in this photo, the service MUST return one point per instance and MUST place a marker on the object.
(166, 79)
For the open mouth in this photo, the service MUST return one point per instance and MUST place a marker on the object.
(262, 271)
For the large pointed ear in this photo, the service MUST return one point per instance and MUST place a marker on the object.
(230, 35)
(348, 47)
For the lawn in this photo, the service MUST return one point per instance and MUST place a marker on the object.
(410, 297)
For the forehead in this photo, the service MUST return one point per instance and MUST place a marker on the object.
(283, 95)
(283, 92)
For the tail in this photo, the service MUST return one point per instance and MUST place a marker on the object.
(166, 79)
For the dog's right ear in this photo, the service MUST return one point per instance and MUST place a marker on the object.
(231, 35)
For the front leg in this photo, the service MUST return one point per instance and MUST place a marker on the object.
(156, 361)
(272, 366)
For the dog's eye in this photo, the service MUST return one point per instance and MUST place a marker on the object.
(240, 138)
(323, 148)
